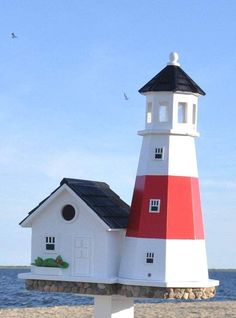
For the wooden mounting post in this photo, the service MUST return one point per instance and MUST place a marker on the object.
(113, 307)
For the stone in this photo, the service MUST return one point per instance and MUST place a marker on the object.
(171, 294)
(185, 296)
(41, 283)
(86, 285)
(35, 284)
(60, 289)
(51, 289)
(198, 294)
(47, 288)
(74, 289)
(30, 282)
(191, 295)
(101, 286)
(204, 296)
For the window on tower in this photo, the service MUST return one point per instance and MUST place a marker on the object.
(163, 114)
(182, 113)
(194, 114)
(159, 153)
(154, 205)
(149, 112)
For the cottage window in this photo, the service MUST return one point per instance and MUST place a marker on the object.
(150, 258)
(50, 243)
(154, 205)
(68, 212)
(159, 153)
(182, 113)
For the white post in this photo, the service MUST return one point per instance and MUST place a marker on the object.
(113, 307)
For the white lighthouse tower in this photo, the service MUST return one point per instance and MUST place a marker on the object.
(164, 244)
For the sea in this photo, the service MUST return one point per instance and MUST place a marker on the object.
(13, 293)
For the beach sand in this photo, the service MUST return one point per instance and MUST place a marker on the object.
(162, 310)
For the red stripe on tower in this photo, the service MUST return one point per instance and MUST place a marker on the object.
(179, 213)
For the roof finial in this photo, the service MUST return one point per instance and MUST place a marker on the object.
(174, 57)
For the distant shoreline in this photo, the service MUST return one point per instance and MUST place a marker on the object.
(28, 267)
(15, 266)
(222, 269)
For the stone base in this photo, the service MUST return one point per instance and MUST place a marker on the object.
(92, 289)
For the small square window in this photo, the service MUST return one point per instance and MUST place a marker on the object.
(154, 205)
(50, 243)
(150, 258)
(159, 153)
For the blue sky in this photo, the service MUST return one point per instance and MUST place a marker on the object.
(63, 113)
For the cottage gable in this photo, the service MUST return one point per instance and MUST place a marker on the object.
(103, 202)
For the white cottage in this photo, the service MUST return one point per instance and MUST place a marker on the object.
(84, 222)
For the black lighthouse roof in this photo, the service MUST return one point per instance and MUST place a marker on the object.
(172, 79)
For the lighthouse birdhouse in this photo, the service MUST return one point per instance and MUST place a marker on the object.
(164, 244)
(87, 240)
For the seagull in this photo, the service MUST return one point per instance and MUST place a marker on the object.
(126, 97)
(13, 36)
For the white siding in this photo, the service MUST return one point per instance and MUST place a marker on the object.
(133, 263)
(186, 260)
(179, 156)
(176, 263)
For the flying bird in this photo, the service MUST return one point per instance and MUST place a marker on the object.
(126, 97)
(13, 36)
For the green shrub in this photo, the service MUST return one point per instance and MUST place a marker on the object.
(50, 262)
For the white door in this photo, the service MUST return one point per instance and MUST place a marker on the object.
(82, 256)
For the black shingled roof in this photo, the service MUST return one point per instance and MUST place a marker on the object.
(100, 198)
(172, 78)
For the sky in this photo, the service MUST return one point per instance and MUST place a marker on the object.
(63, 112)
